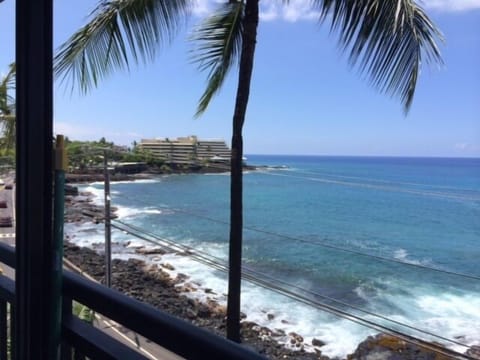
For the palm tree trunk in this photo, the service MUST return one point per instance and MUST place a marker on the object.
(249, 38)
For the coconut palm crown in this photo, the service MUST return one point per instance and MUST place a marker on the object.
(386, 39)
(117, 33)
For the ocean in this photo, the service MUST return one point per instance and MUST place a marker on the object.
(358, 235)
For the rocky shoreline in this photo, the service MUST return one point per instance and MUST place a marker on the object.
(149, 173)
(151, 283)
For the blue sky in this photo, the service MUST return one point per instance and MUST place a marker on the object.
(304, 97)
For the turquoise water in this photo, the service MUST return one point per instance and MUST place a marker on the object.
(413, 210)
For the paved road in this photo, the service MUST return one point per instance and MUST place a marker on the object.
(7, 234)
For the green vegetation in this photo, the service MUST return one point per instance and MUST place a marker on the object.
(387, 39)
(7, 114)
(89, 154)
(85, 314)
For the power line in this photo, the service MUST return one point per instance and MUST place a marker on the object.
(213, 259)
(380, 187)
(315, 243)
(317, 173)
(286, 292)
(210, 261)
(250, 270)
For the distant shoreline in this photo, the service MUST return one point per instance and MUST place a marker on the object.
(151, 172)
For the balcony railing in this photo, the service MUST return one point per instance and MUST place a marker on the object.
(176, 335)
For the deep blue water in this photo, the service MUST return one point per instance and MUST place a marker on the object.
(422, 211)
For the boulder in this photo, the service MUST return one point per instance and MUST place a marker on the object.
(317, 342)
(474, 351)
(168, 266)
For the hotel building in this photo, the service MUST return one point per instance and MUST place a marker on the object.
(187, 150)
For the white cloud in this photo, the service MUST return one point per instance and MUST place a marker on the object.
(466, 147)
(75, 131)
(78, 132)
(202, 7)
(270, 10)
(299, 10)
(452, 5)
(302, 10)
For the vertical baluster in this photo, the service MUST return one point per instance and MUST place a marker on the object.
(13, 354)
(3, 330)
(67, 309)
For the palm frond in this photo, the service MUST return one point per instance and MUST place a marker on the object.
(388, 39)
(117, 29)
(7, 86)
(8, 126)
(219, 40)
(10, 79)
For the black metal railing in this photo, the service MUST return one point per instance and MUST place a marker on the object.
(7, 317)
(169, 332)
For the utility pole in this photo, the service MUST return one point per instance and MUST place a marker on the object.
(108, 229)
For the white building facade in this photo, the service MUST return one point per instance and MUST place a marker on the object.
(187, 150)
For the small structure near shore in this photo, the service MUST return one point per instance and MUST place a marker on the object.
(130, 167)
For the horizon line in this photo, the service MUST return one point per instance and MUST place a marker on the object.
(477, 157)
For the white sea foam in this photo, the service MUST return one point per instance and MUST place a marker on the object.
(446, 314)
(128, 212)
(341, 336)
(404, 256)
(152, 211)
(97, 194)
(122, 211)
(400, 254)
(139, 181)
(125, 212)
(86, 234)
(451, 315)
(226, 173)
(96, 183)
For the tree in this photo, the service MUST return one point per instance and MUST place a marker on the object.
(386, 38)
(118, 29)
(7, 109)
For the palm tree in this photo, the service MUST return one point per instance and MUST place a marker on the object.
(117, 30)
(7, 109)
(387, 38)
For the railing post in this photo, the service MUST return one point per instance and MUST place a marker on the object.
(13, 335)
(34, 231)
(57, 247)
(67, 309)
(3, 329)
